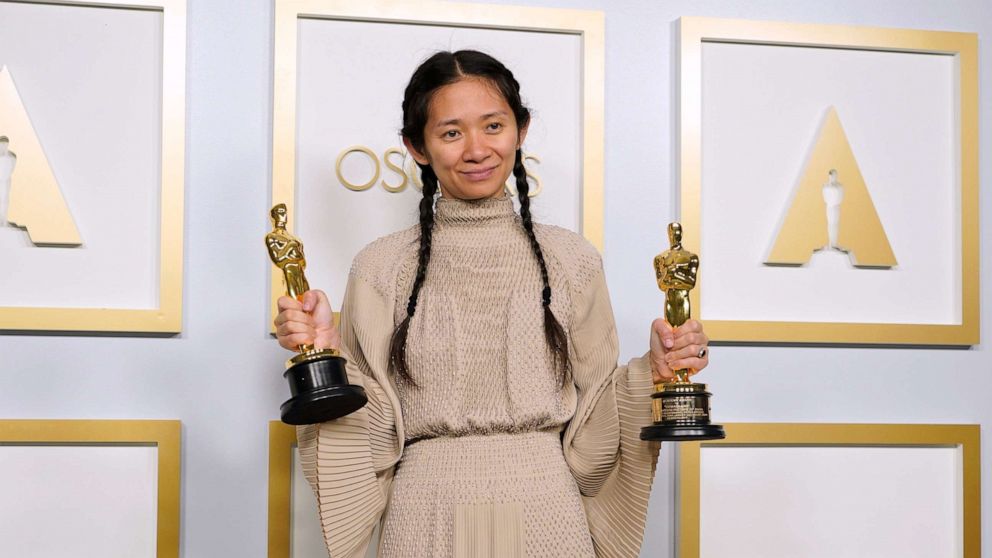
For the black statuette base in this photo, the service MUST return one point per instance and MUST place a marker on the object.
(320, 392)
(681, 412)
(682, 433)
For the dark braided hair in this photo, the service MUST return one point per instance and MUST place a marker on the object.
(553, 332)
(441, 69)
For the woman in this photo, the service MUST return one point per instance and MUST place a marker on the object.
(498, 422)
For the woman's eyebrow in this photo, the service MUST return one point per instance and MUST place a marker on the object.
(456, 121)
(449, 122)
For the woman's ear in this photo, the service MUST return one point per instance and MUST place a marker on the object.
(522, 136)
(417, 155)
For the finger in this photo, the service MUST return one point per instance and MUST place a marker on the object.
(310, 299)
(321, 298)
(662, 374)
(292, 316)
(660, 370)
(683, 353)
(683, 339)
(296, 328)
(665, 332)
(292, 342)
(291, 328)
(287, 303)
(694, 330)
(691, 326)
(322, 312)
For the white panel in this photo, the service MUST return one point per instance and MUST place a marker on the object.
(830, 502)
(79, 501)
(225, 347)
(90, 79)
(351, 81)
(307, 539)
(762, 108)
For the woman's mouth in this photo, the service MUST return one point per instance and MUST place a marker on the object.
(480, 174)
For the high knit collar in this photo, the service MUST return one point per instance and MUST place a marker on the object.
(488, 211)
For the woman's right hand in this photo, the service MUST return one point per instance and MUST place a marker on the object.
(310, 322)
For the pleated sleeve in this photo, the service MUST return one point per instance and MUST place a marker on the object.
(612, 466)
(349, 462)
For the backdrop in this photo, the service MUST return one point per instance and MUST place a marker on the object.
(222, 375)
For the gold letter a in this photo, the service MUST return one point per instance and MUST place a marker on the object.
(858, 230)
(35, 201)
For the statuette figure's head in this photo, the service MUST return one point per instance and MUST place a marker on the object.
(278, 214)
(675, 235)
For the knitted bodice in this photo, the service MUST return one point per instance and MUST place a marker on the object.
(476, 346)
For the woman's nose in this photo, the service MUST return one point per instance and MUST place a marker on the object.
(476, 148)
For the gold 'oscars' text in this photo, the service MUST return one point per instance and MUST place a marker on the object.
(403, 171)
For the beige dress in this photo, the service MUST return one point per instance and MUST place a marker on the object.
(487, 456)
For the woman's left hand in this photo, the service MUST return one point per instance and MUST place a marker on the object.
(685, 347)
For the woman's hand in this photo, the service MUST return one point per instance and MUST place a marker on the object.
(677, 349)
(308, 323)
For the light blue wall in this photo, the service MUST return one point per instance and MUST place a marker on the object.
(221, 377)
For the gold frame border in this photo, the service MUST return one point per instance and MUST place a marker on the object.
(282, 438)
(968, 437)
(964, 46)
(167, 318)
(166, 434)
(589, 25)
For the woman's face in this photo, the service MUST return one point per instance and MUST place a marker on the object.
(470, 139)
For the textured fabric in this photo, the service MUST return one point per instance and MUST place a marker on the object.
(502, 460)
(489, 530)
(495, 495)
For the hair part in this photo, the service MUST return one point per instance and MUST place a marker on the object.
(445, 68)
(441, 69)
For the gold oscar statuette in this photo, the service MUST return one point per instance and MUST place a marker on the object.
(318, 382)
(680, 408)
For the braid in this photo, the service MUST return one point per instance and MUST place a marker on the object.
(397, 347)
(553, 332)
(439, 70)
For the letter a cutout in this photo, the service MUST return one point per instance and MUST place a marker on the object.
(35, 201)
(805, 229)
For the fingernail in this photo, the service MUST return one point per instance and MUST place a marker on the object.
(669, 343)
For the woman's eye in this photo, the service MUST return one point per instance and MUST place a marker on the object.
(495, 126)
(450, 134)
